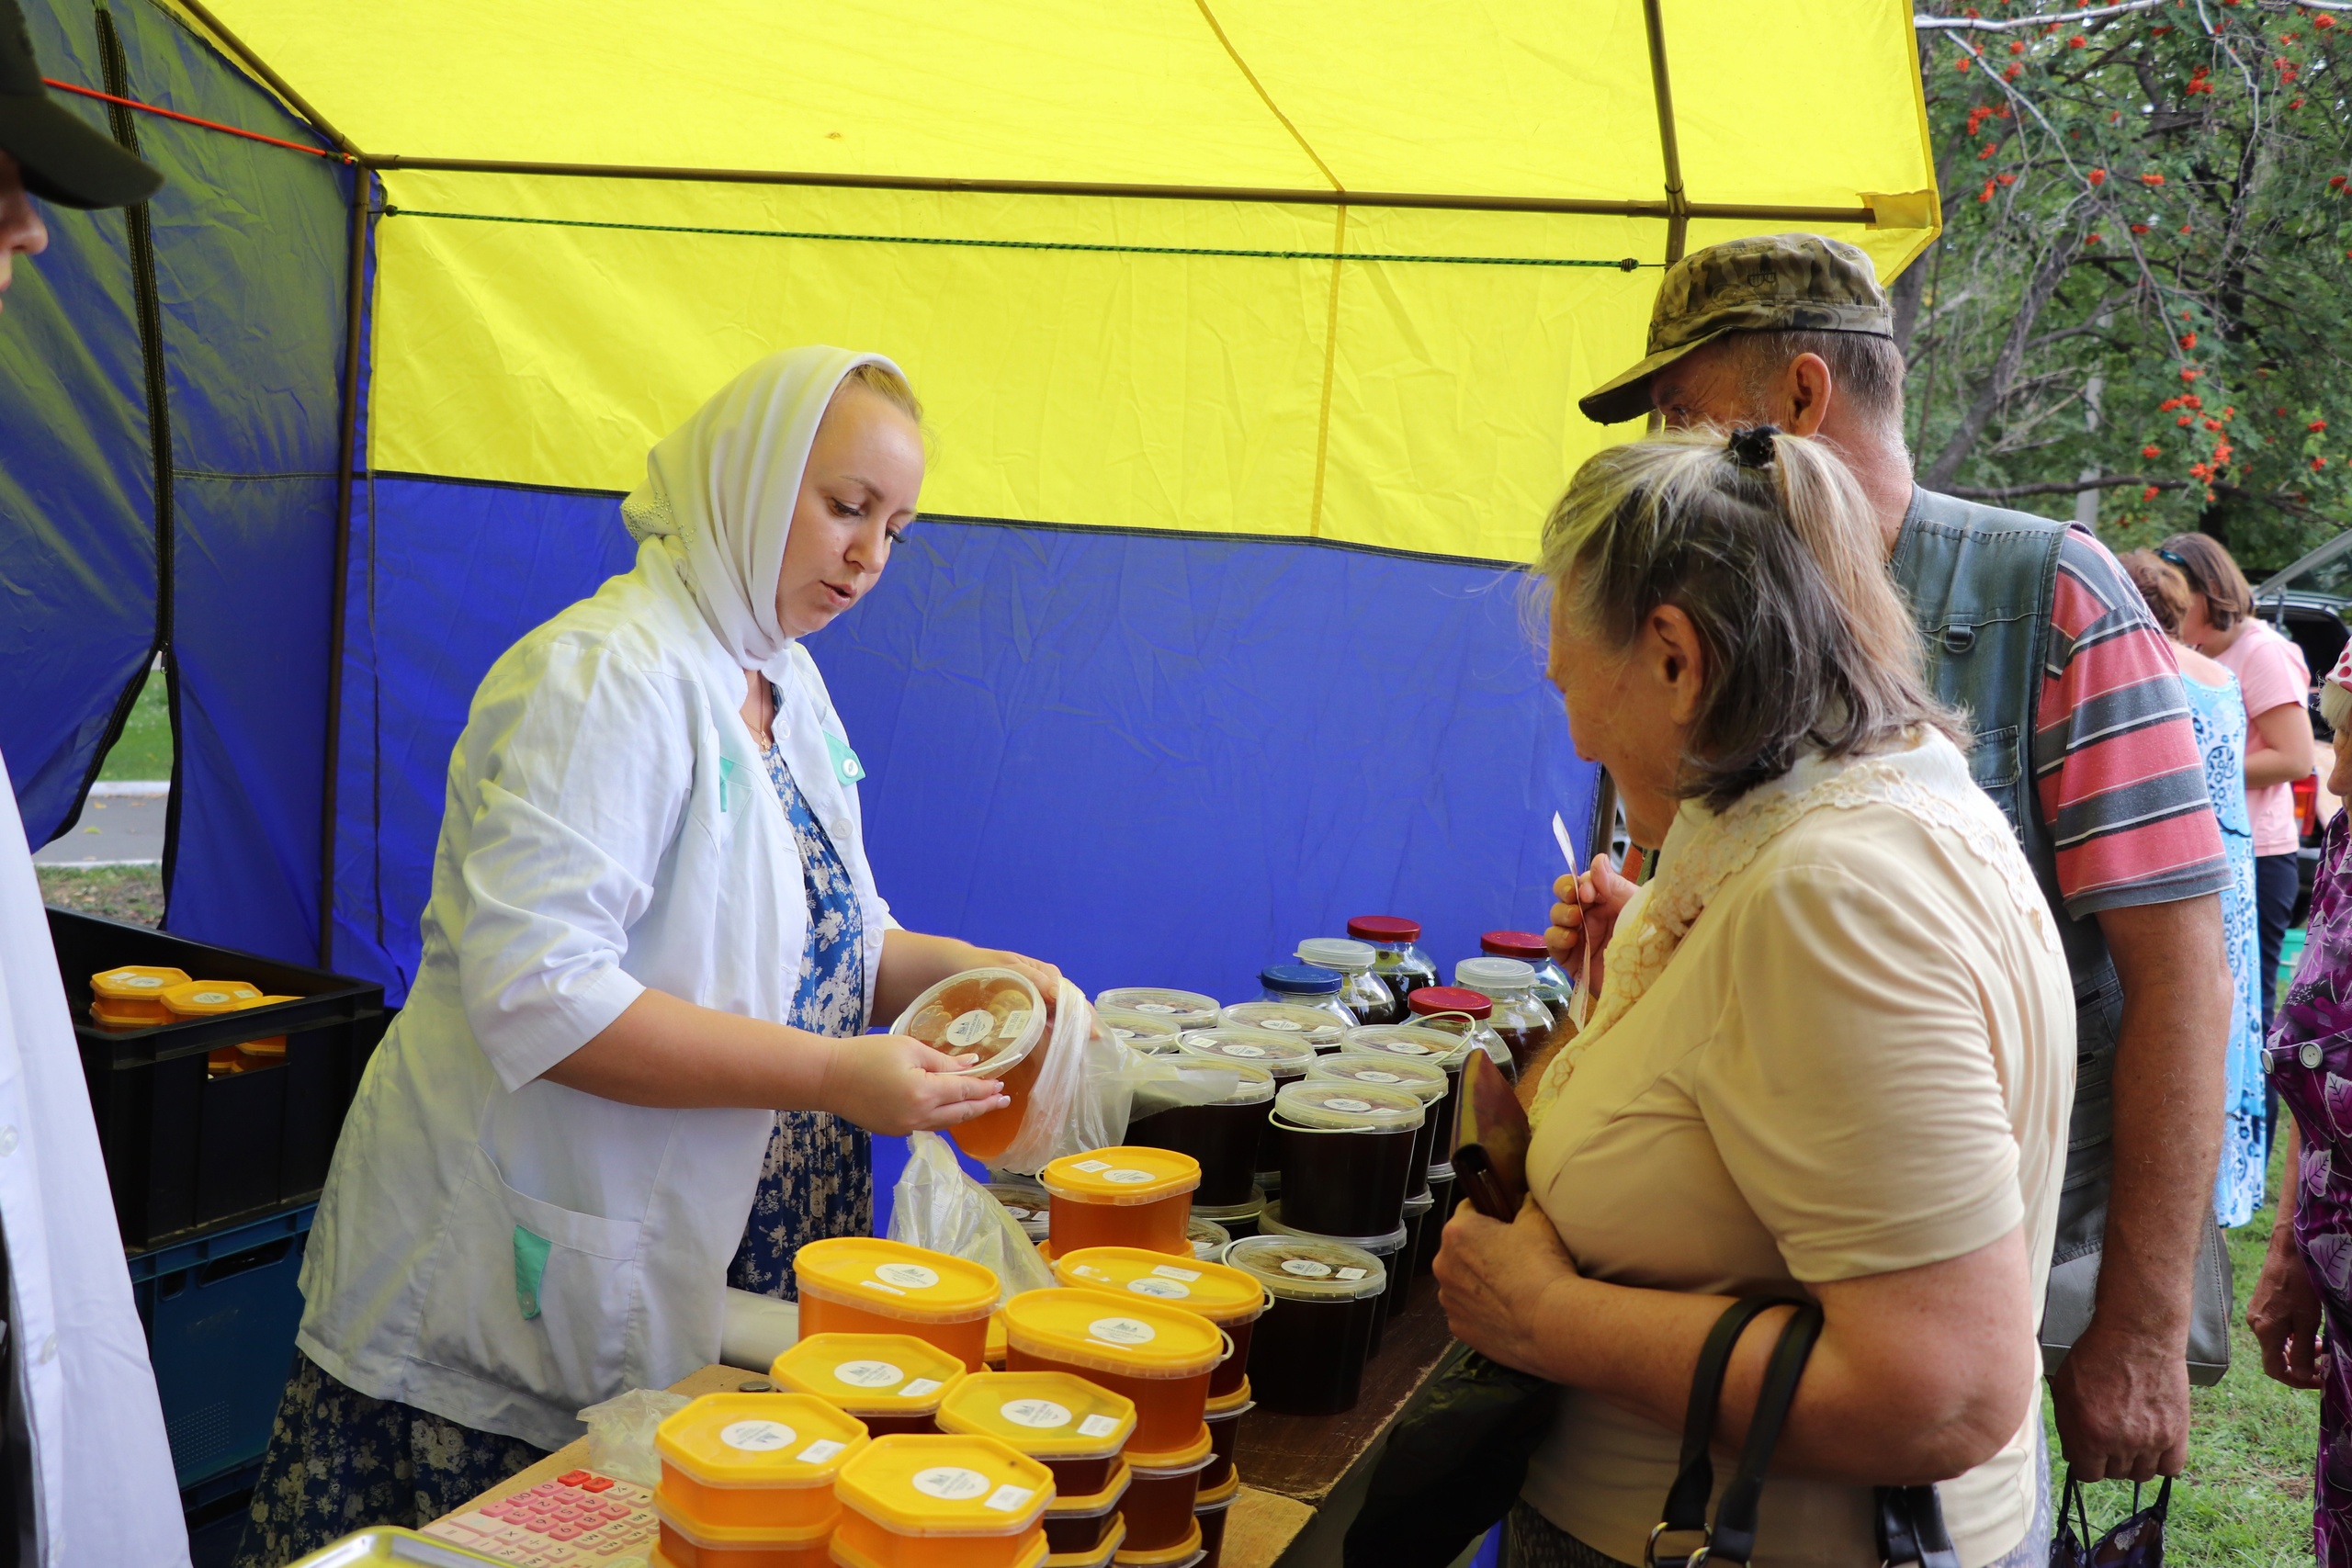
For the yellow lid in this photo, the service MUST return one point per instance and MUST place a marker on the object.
(1166, 1557)
(739, 1538)
(1123, 1176)
(1133, 1337)
(1194, 1455)
(953, 1484)
(845, 1554)
(1209, 1499)
(760, 1439)
(1230, 1406)
(1095, 1505)
(203, 998)
(896, 1281)
(1220, 1295)
(870, 1374)
(992, 1353)
(137, 982)
(1046, 1415)
(1099, 1557)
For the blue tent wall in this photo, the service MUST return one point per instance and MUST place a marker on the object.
(250, 246)
(1152, 759)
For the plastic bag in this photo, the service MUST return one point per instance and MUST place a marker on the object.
(1092, 1084)
(939, 1207)
(620, 1433)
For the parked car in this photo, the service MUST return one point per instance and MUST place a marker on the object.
(2309, 601)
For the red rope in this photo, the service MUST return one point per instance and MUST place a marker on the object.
(191, 120)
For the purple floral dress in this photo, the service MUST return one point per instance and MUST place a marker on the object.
(2310, 1061)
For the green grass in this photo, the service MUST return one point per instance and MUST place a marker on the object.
(132, 893)
(2245, 1499)
(144, 751)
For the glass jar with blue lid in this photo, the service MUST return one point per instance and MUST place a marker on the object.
(1303, 985)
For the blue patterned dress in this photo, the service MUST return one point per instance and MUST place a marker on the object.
(819, 1180)
(2220, 716)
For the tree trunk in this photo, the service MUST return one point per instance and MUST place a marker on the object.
(2006, 365)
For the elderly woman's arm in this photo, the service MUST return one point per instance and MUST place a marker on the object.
(1919, 1375)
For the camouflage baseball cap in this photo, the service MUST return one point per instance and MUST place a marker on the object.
(1764, 283)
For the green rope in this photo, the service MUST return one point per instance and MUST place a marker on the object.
(1627, 264)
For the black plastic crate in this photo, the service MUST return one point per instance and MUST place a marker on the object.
(185, 1150)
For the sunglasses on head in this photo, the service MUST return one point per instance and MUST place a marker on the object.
(2175, 558)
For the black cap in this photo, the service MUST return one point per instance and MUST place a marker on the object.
(63, 159)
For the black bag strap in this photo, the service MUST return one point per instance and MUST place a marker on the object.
(1694, 1482)
(1735, 1537)
(1911, 1528)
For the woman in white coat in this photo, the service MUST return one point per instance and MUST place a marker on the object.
(652, 923)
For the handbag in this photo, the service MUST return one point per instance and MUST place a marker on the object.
(2137, 1543)
(1910, 1521)
(1452, 1466)
(2073, 1291)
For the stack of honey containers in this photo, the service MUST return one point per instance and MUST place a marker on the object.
(1107, 1442)
(144, 995)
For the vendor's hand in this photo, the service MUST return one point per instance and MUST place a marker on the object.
(1044, 976)
(1587, 911)
(896, 1084)
(2284, 1313)
(1493, 1279)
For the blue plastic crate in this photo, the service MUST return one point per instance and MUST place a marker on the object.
(220, 1313)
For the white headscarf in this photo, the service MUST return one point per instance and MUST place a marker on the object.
(719, 491)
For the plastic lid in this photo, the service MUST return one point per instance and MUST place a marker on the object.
(1316, 1027)
(1378, 1245)
(1308, 1268)
(1198, 1454)
(1421, 1203)
(994, 1014)
(870, 1374)
(1046, 1415)
(1208, 1237)
(1122, 1176)
(1027, 1204)
(896, 1281)
(1231, 1406)
(1417, 1042)
(1142, 1030)
(1454, 999)
(202, 999)
(1132, 1336)
(1252, 1084)
(760, 1439)
(1184, 1009)
(1248, 1209)
(137, 982)
(1225, 1296)
(1209, 1499)
(1515, 944)
(1487, 975)
(1385, 928)
(1299, 980)
(1337, 953)
(729, 1539)
(1283, 1055)
(1421, 1078)
(953, 1485)
(1187, 1551)
(1346, 1107)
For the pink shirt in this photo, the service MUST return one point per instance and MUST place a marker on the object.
(2271, 672)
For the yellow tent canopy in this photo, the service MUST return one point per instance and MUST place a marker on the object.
(1225, 266)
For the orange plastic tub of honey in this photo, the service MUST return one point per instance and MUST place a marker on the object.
(868, 1285)
(951, 1501)
(754, 1462)
(1182, 1554)
(1123, 1196)
(1158, 1357)
(1158, 1504)
(891, 1383)
(1072, 1425)
(1226, 1297)
(997, 1017)
(683, 1545)
(132, 996)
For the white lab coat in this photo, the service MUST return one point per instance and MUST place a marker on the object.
(103, 1489)
(609, 827)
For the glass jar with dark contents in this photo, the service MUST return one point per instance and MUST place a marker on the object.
(1283, 1056)
(1364, 995)
(1552, 983)
(1451, 1010)
(1302, 985)
(1396, 963)
(1524, 1023)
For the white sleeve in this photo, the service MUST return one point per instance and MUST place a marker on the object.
(576, 768)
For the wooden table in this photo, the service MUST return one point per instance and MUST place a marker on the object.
(1301, 1475)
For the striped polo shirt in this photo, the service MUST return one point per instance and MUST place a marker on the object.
(2116, 764)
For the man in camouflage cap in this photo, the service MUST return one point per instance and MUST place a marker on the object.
(2083, 738)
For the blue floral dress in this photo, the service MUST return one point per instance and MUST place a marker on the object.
(2220, 716)
(819, 1180)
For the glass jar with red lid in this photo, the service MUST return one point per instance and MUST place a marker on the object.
(1552, 985)
(1453, 1009)
(1396, 963)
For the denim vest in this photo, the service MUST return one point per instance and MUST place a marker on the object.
(1980, 581)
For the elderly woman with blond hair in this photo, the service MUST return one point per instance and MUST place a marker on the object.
(1833, 1046)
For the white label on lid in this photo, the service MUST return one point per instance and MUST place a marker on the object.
(1166, 1290)
(1374, 1076)
(1307, 1269)
(907, 1276)
(138, 982)
(970, 1029)
(1021, 1210)
(820, 1451)
(1277, 1023)
(869, 1374)
(1008, 1497)
(879, 1285)
(1098, 1427)
(1042, 1413)
(1352, 1273)
(1014, 1022)
(1175, 1273)
(210, 996)
(1122, 1035)
(1090, 1166)
(1348, 1103)
(1154, 1006)
(1403, 1048)
(920, 1387)
(756, 1437)
(1241, 1048)
(950, 1483)
(1127, 1177)
(1123, 1331)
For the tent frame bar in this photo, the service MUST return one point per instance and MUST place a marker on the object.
(346, 465)
(1678, 209)
(277, 84)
